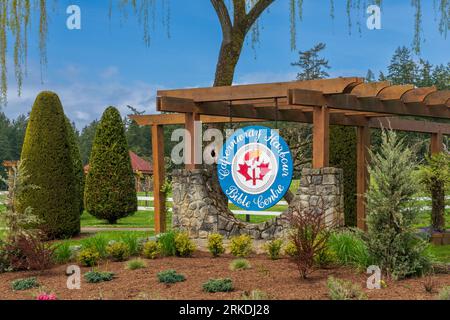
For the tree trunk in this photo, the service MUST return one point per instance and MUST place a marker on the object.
(230, 52)
(438, 207)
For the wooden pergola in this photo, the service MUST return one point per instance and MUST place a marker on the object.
(339, 101)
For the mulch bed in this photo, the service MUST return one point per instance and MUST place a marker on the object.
(279, 279)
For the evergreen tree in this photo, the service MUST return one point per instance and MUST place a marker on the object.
(370, 77)
(47, 161)
(391, 214)
(402, 69)
(76, 162)
(311, 64)
(424, 78)
(441, 76)
(86, 139)
(110, 192)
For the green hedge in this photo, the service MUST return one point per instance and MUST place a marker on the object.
(110, 192)
(47, 162)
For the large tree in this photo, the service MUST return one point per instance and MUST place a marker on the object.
(238, 19)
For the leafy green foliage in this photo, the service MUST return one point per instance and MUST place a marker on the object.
(170, 276)
(391, 213)
(218, 285)
(136, 264)
(239, 264)
(110, 192)
(339, 289)
(24, 284)
(241, 246)
(132, 242)
(48, 163)
(290, 249)
(184, 246)
(166, 242)
(215, 244)
(435, 176)
(77, 163)
(118, 251)
(97, 276)
(343, 156)
(273, 248)
(97, 243)
(349, 249)
(62, 253)
(88, 257)
(151, 250)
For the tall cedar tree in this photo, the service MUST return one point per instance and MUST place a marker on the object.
(76, 162)
(47, 160)
(110, 192)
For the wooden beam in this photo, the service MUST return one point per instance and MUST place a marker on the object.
(369, 104)
(394, 92)
(321, 127)
(417, 94)
(410, 125)
(178, 118)
(438, 98)
(158, 178)
(369, 89)
(192, 156)
(362, 176)
(260, 91)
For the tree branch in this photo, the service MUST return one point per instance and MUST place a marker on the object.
(240, 14)
(256, 11)
(224, 18)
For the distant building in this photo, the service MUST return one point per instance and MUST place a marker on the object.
(143, 172)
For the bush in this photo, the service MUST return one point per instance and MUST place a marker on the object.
(150, 250)
(239, 264)
(24, 284)
(97, 276)
(88, 257)
(118, 251)
(62, 253)
(218, 285)
(444, 294)
(132, 243)
(290, 250)
(309, 235)
(97, 243)
(136, 264)
(215, 244)
(339, 289)
(170, 276)
(48, 162)
(166, 242)
(273, 248)
(391, 213)
(325, 258)
(76, 163)
(184, 246)
(29, 253)
(349, 249)
(110, 192)
(241, 246)
(255, 295)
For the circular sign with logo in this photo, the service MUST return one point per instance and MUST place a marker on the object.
(255, 168)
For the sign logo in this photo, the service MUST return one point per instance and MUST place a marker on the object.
(255, 168)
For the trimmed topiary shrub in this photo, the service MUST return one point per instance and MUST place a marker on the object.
(110, 192)
(185, 247)
(47, 161)
(343, 155)
(77, 163)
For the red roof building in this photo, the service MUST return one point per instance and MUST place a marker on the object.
(137, 163)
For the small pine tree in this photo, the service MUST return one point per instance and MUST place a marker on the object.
(110, 192)
(312, 65)
(403, 69)
(77, 163)
(47, 162)
(391, 212)
(370, 77)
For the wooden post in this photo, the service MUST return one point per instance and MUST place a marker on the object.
(158, 178)
(362, 175)
(437, 142)
(191, 156)
(321, 128)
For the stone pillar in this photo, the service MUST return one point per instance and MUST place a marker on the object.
(323, 188)
(199, 209)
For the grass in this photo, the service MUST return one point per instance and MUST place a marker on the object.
(441, 253)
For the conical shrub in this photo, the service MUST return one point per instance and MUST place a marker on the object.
(47, 161)
(110, 192)
(77, 163)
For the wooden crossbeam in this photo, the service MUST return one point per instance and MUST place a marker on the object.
(410, 125)
(367, 104)
(260, 91)
(370, 89)
(178, 118)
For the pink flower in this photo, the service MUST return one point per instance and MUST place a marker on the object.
(46, 296)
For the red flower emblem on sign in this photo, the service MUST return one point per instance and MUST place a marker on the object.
(249, 172)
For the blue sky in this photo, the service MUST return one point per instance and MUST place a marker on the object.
(106, 62)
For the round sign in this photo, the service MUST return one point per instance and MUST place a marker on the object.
(255, 168)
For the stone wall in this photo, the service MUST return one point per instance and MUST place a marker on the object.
(200, 208)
